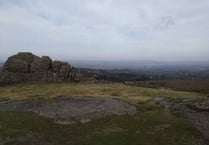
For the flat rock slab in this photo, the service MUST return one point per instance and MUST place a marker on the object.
(70, 110)
(195, 109)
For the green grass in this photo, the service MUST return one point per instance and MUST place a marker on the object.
(150, 127)
(153, 126)
(50, 90)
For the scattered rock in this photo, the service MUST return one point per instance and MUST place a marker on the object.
(195, 109)
(27, 67)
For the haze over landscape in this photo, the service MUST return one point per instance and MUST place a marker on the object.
(106, 29)
(104, 72)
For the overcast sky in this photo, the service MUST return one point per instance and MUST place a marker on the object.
(175, 30)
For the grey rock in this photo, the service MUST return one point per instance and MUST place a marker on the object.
(64, 71)
(27, 67)
(19, 63)
(41, 64)
(56, 66)
(195, 109)
(67, 110)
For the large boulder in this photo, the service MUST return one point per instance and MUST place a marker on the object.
(56, 66)
(19, 63)
(64, 71)
(42, 64)
(27, 67)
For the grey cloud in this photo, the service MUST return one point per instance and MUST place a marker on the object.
(106, 29)
(164, 22)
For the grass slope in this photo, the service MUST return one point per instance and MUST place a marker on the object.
(23, 91)
(151, 127)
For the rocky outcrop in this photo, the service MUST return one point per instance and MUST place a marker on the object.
(195, 109)
(27, 67)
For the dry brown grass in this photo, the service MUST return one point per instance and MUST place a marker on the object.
(192, 85)
(50, 90)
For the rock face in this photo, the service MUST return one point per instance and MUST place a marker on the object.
(27, 67)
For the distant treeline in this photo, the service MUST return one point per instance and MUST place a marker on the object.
(142, 75)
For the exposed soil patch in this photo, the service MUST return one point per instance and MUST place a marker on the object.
(197, 110)
(71, 110)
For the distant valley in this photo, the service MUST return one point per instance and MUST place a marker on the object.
(141, 64)
(122, 71)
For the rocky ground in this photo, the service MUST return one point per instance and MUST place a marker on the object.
(150, 122)
(195, 109)
(72, 110)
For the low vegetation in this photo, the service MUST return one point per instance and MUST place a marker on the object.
(44, 90)
(151, 126)
(189, 85)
